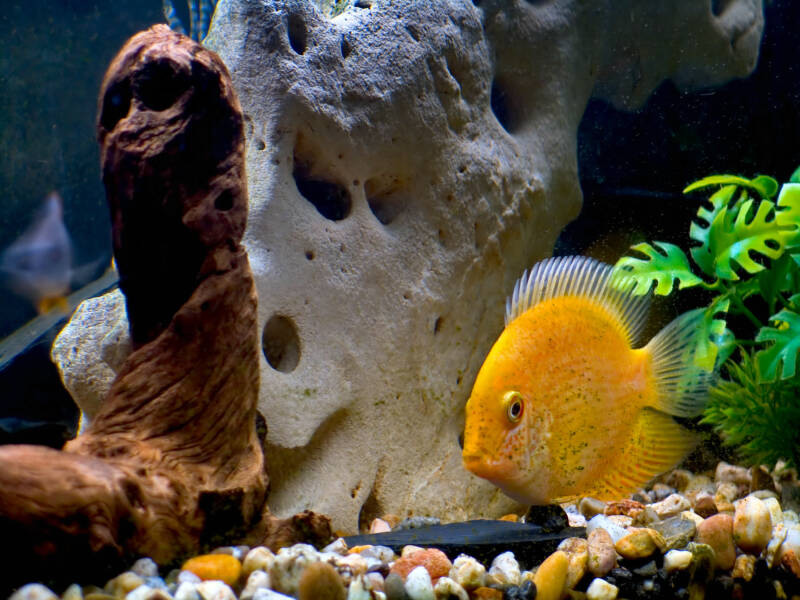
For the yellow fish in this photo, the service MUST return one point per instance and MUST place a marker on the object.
(565, 406)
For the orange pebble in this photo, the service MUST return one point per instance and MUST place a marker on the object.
(221, 567)
(435, 562)
(510, 517)
(486, 593)
(357, 549)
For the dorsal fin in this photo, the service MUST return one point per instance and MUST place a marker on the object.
(583, 277)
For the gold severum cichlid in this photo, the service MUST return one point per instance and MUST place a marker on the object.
(565, 405)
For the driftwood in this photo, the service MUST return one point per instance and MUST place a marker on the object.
(172, 464)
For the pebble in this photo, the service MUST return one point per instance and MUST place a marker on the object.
(752, 525)
(145, 567)
(378, 525)
(145, 592)
(33, 591)
(779, 533)
(487, 593)
(602, 557)
(717, 532)
(418, 584)
(215, 590)
(73, 592)
(381, 553)
(435, 562)
(337, 546)
(704, 505)
(122, 584)
(468, 572)
(603, 522)
(288, 566)
(677, 560)
(321, 580)
(672, 505)
(600, 589)
(255, 581)
(270, 595)
(551, 576)
(590, 507)
(577, 551)
(394, 587)
(217, 567)
(357, 590)
(727, 473)
(525, 591)
(261, 558)
(774, 508)
(676, 531)
(744, 567)
(677, 478)
(638, 543)
(187, 591)
(447, 588)
(416, 522)
(504, 570)
(629, 508)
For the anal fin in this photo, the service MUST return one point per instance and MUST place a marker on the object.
(657, 444)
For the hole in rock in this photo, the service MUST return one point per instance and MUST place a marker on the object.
(224, 201)
(502, 107)
(159, 83)
(384, 197)
(461, 440)
(281, 344)
(261, 145)
(116, 104)
(370, 510)
(330, 199)
(437, 325)
(345, 47)
(309, 255)
(296, 30)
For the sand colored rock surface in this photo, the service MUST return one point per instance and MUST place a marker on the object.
(172, 462)
(406, 161)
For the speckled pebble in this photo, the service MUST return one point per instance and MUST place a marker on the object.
(258, 579)
(215, 590)
(288, 566)
(672, 505)
(504, 570)
(752, 525)
(638, 543)
(33, 591)
(600, 589)
(551, 576)
(320, 580)
(215, 567)
(717, 532)
(381, 553)
(577, 551)
(434, 560)
(418, 584)
(337, 546)
(744, 567)
(468, 572)
(259, 558)
(351, 566)
(677, 560)
(601, 553)
(676, 531)
(447, 588)
(727, 473)
(771, 554)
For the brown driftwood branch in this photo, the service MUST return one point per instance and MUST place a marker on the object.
(172, 463)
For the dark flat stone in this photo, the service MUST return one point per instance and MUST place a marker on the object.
(481, 539)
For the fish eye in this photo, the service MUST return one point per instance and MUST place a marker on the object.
(514, 406)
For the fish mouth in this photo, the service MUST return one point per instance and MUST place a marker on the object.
(492, 470)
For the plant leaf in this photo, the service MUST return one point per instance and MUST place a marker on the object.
(664, 265)
(787, 213)
(783, 351)
(764, 185)
(795, 177)
(702, 254)
(729, 242)
(714, 338)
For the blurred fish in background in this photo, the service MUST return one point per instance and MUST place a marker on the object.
(38, 265)
(200, 12)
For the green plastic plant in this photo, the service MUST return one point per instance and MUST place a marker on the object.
(747, 256)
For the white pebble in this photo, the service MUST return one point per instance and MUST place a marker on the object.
(357, 590)
(418, 585)
(73, 592)
(677, 560)
(672, 505)
(690, 515)
(187, 591)
(752, 525)
(409, 550)
(145, 567)
(446, 588)
(600, 589)
(215, 590)
(188, 577)
(339, 546)
(264, 594)
(779, 533)
(146, 592)
(288, 566)
(789, 516)
(603, 522)
(259, 558)
(33, 591)
(774, 508)
(350, 566)
(468, 572)
(257, 580)
(382, 553)
(504, 570)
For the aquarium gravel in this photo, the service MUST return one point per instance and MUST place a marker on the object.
(733, 533)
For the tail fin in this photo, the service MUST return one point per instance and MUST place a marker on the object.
(682, 386)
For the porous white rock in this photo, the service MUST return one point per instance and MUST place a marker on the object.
(34, 591)
(504, 570)
(468, 572)
(418, 584)
(406, 161)
(600, 589)
(447, 589)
